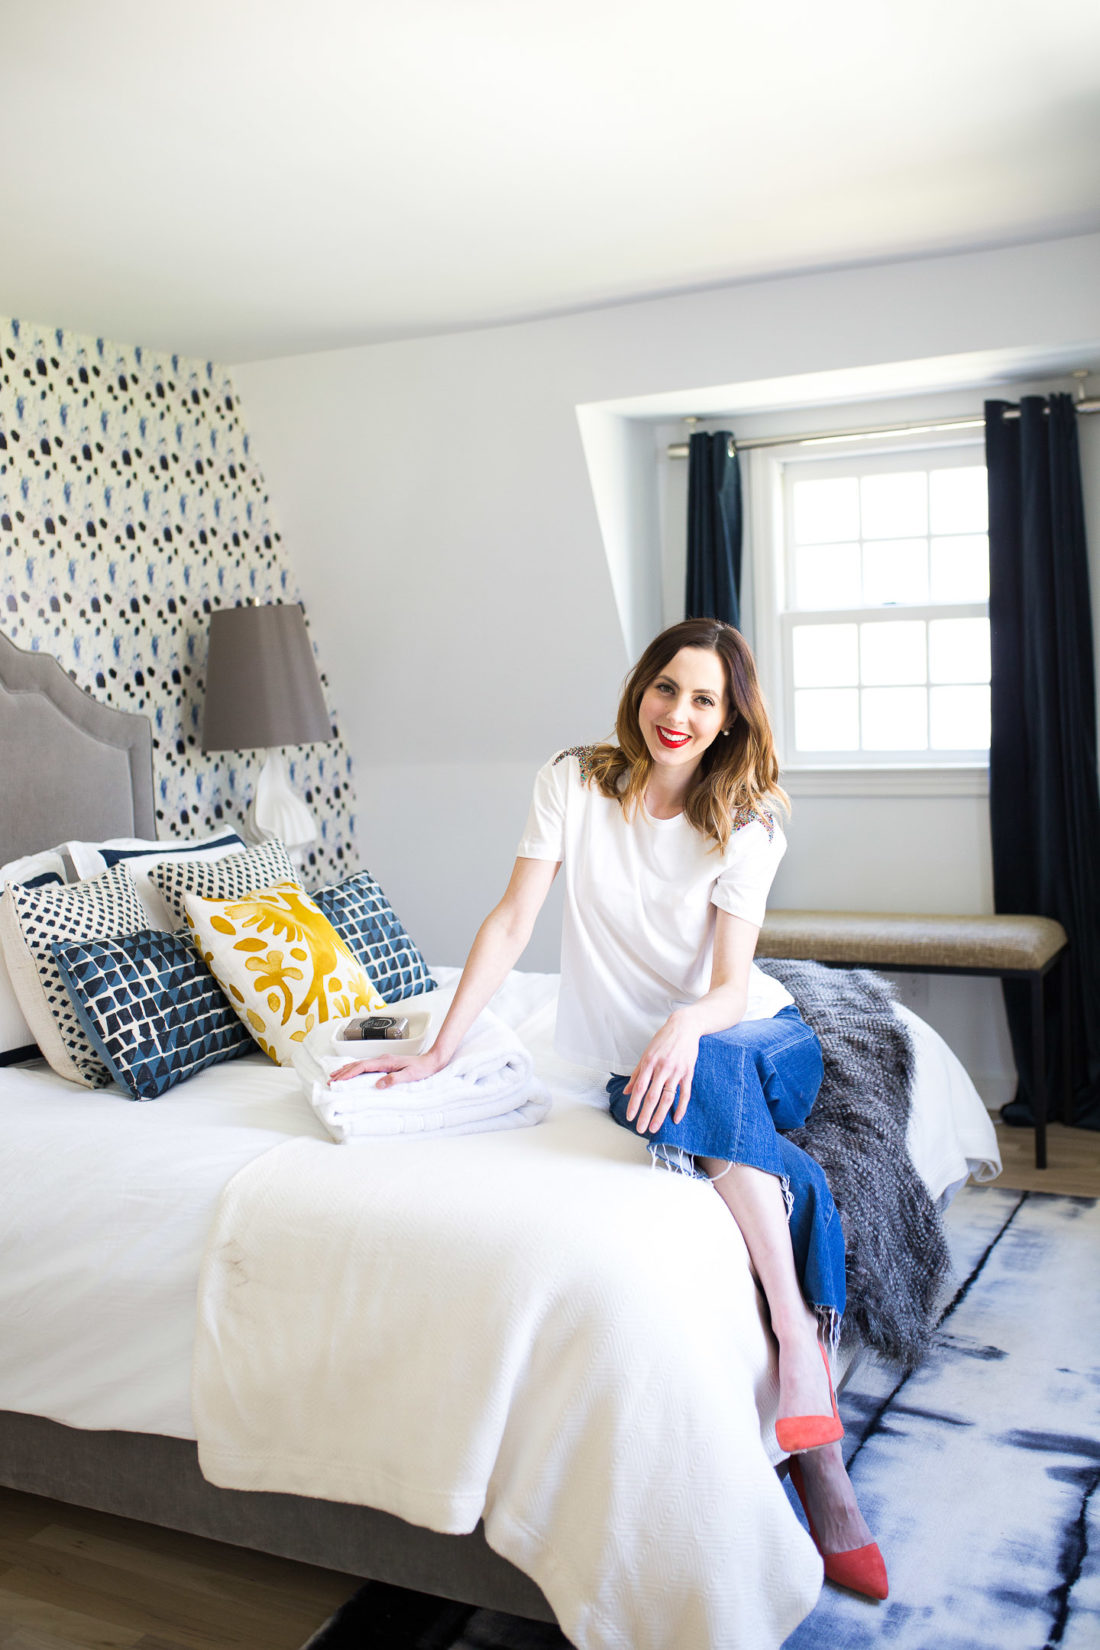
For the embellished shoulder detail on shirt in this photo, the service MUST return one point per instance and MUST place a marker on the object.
(746, 813)
(584, 755)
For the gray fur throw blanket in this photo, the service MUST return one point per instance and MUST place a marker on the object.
(897, 1257)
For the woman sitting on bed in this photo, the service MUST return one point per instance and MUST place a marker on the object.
(670, 843)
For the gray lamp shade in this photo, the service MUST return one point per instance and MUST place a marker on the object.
(262, 687)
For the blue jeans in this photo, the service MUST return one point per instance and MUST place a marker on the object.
(750, 1082)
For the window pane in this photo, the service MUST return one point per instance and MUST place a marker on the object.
(960, 718)
(827, 719)
(896, 506)
(959, 500)
(958, 650)
(895, 719)
(825, 655)
(960, 569)
(893, 653)
(826, 511)
(895, 570)
(827, 575)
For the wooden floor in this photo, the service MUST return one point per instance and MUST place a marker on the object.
(75, 1580)
(1073, 1161)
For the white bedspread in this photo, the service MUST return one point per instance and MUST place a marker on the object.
(106, 1205)
(545, 1333)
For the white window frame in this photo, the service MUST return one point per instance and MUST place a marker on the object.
(767, 474)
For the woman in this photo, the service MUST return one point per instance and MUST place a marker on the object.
(670, 843)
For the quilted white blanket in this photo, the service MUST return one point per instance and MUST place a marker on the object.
(530, 1327)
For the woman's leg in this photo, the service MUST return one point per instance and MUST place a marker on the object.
(755, 1200)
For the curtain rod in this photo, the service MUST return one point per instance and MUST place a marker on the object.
(822, 438)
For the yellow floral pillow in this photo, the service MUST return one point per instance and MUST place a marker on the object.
(281, 963)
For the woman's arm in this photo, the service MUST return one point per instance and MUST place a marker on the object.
(669, 1061)
(497, 947)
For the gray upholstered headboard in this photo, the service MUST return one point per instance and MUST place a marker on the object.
(69, 766)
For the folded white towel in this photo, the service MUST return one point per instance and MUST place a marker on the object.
(489, 1084)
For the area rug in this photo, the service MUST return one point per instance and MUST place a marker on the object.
(978, 1473)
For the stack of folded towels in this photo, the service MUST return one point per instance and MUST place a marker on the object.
(489, 1084)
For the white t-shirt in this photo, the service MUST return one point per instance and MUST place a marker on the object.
(640, 899)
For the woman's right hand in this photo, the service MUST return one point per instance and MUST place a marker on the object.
(398, 1068)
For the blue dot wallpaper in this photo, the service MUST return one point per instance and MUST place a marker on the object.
(130, 507)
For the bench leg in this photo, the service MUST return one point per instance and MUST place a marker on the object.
(1038, 1071)
(1065, 1000)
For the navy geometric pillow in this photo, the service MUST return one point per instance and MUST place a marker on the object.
(364, 919)
(153, 1012)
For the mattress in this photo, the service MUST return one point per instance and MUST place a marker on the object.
(107, 1203)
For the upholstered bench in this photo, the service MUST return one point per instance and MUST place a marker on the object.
(1012, 948)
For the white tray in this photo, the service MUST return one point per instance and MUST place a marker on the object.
(368, 1048)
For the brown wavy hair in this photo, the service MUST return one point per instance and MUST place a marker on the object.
(739, 774)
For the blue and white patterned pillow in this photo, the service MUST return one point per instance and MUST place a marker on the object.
(232, 877)
(365, 920)
(153, 1012)
(31, 920)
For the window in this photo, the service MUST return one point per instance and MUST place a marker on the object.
(883, 617)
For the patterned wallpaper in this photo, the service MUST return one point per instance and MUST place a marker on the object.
(130, 507)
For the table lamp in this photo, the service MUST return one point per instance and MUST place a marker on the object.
(263, 691)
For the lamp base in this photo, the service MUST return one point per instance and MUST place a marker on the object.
(277, 810)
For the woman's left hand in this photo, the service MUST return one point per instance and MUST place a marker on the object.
(667, 1065)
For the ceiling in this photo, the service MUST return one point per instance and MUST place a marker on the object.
(240, 179)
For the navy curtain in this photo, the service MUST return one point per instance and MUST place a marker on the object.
(1043, 795)
(714, 529)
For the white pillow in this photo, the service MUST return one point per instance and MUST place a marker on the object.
(15, 1033)
(91, 858)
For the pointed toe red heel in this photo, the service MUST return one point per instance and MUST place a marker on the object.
(797, 1433)
(861, 1569)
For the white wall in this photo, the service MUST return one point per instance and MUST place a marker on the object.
(436, 499)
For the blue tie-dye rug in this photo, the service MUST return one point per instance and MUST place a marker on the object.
(977, 1474)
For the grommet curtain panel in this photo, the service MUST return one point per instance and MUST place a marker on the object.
(1043, 795)
(714, 529)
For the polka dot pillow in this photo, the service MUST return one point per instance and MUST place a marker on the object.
(226, 878)
(280, 962)
(32, 921)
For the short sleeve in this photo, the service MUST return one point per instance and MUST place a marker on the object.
(544, 834)
(752, 859)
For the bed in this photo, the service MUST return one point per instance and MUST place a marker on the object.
(107, 1210)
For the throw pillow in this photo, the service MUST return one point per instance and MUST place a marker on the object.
(228, 878)
(33, 871)
(31, 921)
(89, 858)
(364, 918)
(281, 963)
(152, 1012)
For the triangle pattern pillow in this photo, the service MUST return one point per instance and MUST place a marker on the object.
(152, 1012)
(32, 921)
(226, 878)
(363, 916)
(281, 963)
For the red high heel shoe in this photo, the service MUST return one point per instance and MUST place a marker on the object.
(862, 1569)
(796, 1433)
